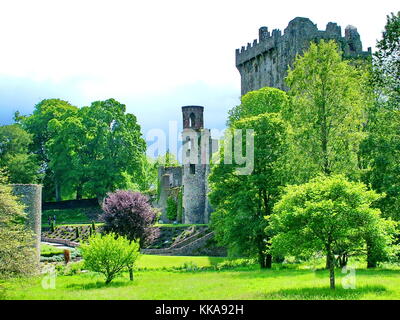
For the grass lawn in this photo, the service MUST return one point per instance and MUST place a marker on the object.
(46, 250)
(80, 216)
(282, 282)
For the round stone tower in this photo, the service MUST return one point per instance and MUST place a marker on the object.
(195, 158)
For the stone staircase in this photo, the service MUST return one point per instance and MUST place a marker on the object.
(186, 247)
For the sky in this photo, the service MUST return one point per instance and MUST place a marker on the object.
(153, 56)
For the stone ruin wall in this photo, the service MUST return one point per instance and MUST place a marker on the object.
(30, 196)
(265, 61)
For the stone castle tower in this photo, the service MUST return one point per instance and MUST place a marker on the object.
(265, 62)
(196, 154)
(190, 179)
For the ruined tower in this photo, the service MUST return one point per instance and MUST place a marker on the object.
(265, 61)
(196, 153)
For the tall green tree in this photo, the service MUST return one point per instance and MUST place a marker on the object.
(326, 113)
(37, 125)
(113, 147)
(381, 150)
(242, 201)
(19, 164)
(327, 215)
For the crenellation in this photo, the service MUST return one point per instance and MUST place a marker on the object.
(265, 63)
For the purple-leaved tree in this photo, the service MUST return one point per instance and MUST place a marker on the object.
(130, 214)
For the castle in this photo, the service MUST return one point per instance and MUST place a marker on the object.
(264, 63)
(261, 64)
(189, 181)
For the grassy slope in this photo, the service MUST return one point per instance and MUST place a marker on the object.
(295, 282)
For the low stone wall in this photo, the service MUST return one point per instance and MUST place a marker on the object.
(65, 242)
(31, 196)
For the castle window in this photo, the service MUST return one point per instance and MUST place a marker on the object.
(192, 169)
(191, 120)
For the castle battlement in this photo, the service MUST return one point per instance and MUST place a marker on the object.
(273, 52)
(296, 29)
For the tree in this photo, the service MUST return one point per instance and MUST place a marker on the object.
(264, 100)
(326, 113)
(109, 254)
(15, 158)
(16, 249)
(327, 214)
(381, 150)
(113, 147)
(242, 201)
(37, 125)
(387, 60)
(129, 214)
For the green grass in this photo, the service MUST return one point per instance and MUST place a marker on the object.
(46, 250)
(282, 282)
(155, 262)
(80, 216)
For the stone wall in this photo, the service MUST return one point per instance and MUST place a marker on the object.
(31, 196)
(192, 248)
(170, 182)
(265, 61)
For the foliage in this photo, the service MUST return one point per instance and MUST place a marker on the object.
(387, 60)
(88, 151)
(180, 206)
(172, 208)
(39, 126)
(19, 164)
(109, 254)
(270, 100)
(17, 255)
(329, 215)
(328, 98)
(242, 201)
(381, 151)
(129, 214)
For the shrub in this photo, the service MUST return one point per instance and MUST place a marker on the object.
(129, 214)
(17, 255)
(172, 208)
(109, 254)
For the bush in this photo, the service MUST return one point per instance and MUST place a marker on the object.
(109, 254)
(129, 214)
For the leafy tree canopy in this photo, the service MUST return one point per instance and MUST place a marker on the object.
(327, 215)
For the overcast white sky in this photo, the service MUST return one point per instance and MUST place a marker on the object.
(154, 56)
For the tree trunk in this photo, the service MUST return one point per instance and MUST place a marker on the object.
(265, 260)
(327, 264)
(343, 259)
(79, 192)
(332, 274)
(371, 260)
(57, 190)
(130, 274)
(331, 260)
